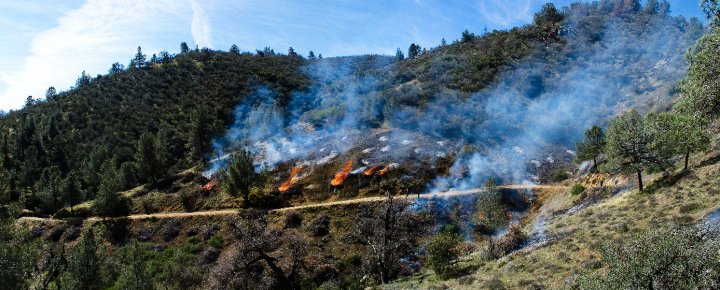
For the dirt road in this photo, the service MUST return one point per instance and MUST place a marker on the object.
(234, 211)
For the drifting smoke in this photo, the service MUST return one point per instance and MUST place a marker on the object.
(316, 126)
(606, 65)
(552, 97)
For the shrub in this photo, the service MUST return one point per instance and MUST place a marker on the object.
(560, 175)
(491, 211)
(293, 219)
(442, 251)
(577, 189)
(676, 259)
(320, 226)
(511, 241)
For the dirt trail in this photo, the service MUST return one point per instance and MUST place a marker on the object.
(234, 211)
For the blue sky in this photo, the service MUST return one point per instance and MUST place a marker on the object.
(49, 42)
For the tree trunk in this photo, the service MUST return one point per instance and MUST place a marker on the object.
(639, 175)
(687, 158)
(595, 163)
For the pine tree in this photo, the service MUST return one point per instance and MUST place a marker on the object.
(109, 202)
(184, 48)
(151, 156)
(200, 138)
(239, 176)
(234, 49)
(678, 134)
(592, 146)
(413, 51)
(85, 264)
(134, 273)
(139, 60)
(399, 54)
(630, 145)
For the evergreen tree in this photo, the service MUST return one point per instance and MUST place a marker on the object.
(50, 94)
(291, 52)
(151, 156)
(491, 211)
(413, 51)
(630, 145)
(200, 135)
(652, 7)
(134, 273)
(85, 264)
(70, 191)
(399, 54)
(48, 190)
(239, 176)
(109, 202)
(116, 68)
(84, 79)
(184, 48)
(234, 49)
(700, 90)
(592, 146)
(91, 167)
(311, 55)
(678, 134)
(467, 36)
(442, 250)
(139, 60)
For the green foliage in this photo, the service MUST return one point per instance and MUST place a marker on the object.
(677, 134)
(491, 212)
(399, 55)
(577, 189)
(151, 156)
(677, 259)
(442, 252)
(85, 265)
(592, 146)
(109, 203)
(630, 145)
(700, 90)
(414, 51)
(239, 176)
(560, 175)
(134, 272)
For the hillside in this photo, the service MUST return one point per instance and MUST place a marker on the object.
(460, 166)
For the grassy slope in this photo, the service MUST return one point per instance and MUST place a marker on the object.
(676, 199)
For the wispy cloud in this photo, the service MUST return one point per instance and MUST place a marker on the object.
(201, 30)
(505, 14)
(90, 38)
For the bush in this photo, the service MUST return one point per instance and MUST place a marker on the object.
(293, 219)
(442, 251)
(577, 189)
(676, 259)
(491, 211)
(320, 226)
(560, 175)
(513, 240)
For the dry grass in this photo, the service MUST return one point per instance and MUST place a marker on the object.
(686, 201)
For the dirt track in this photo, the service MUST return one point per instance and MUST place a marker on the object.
(223, 212)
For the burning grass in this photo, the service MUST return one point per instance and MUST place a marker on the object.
(342, 174)
(294, 177)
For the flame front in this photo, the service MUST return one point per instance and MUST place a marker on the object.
(292, 179)
(371, 170)
(210, 185)
(383, 170)
(342, 174)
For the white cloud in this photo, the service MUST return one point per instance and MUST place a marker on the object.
(505, 14)
(201, 31)
(90, 38)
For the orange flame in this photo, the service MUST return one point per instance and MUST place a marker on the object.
(342, 174)
(371, 170)
(383, 170)
(292, 179)
(210, 185)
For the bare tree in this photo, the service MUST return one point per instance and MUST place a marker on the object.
(389, 233)
(264, 257)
